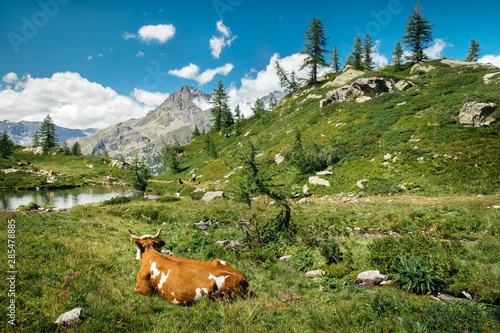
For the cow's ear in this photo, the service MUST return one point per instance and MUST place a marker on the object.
(138, 245)
(159, 244)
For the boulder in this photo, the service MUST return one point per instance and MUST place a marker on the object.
(316, 273)
(69, 317)
(211, 196)
(371, 278)
(315, 180)
(35, 150)
(492, 78)
(476, 114)
(324, 102)
(278, 158)
(421, 67)
(360, 183)
(404, 85)
(348, 74)
(361, 88)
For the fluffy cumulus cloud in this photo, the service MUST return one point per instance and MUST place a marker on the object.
(490, 58)
(225, 38)
(71, 100)
(435, 51)
(10, 78)
(160, 33)
(148, 98)
(262, 83)
(380, 60)
(192, 72)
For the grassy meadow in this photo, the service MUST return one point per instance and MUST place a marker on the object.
(85, 259)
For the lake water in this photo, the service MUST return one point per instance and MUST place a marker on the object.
(65, 198)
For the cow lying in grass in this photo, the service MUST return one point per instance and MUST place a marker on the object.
(182, 281)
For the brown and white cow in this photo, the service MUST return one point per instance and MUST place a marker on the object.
(182, 281)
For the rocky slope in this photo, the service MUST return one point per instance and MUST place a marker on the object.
(170, 123)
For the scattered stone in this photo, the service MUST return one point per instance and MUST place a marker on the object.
(496, 207)
(211, 196)
(315, 180)
(167, 252)
(303, 200)
(445, 297)
(324, 102)
(305, 189)
(324, 173)
(316, 273)
(371, 277)
(387, 156)
(476, 114)
(313, 96)
(285, 258)
(278, 158)
(467, 295)
(363, 99)
(233, 244)
(491, 78)
(289, 297)
(221, 243)
(69, 317)
(205, 225)
(117, 164)
(360, 183)
(421, 67)
(387, 283)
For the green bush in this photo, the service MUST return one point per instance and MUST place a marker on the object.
(306, 259)
(31, 206)
(412, 276)
(116, 201)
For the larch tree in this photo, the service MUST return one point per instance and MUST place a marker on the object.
(219, 108)
(47, 132)
(314, 48)
(473, 50)
(335, 59)
(356, 57)
(418, 34)
(397, 57)
(367, 53)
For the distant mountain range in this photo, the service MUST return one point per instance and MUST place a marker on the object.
(22, 132)
(170, 123)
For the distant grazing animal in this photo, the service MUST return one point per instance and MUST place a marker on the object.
(182, 281)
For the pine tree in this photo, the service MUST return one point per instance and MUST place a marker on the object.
(219, 103)
(48, 138)
(397, 56)
(335, 59)
(367, 53)
(6, 145)
(272, 103)
(196, 132)
(35, 140)
(210, 147)
(169, 158)
(356, 57)
(237, 111)
(259, 108)
(75, 149)
(288, 81)
(138, 174)
(418, 34)
(473, 50)
(66, 150)
(227, 116)
(315, 43)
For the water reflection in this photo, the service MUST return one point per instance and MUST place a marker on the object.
(64, 198)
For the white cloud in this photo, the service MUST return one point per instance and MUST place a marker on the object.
(127, 35)
(10, 77)
(139, 54)
(150, 99)
(71, 100)
(435, 50)
(159, 33)
(89, 57)
(380, 60)
(265, 81)
(191, 72)
(490, 58)
(218, 43)
(201, 103)
(187, 72)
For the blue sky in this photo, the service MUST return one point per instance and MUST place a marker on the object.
(95, 63)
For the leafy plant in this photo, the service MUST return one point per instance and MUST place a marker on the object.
(411, 275)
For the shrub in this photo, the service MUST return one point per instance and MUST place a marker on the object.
(412, 276)
(116, 201)
(306, 259)
(31, 206)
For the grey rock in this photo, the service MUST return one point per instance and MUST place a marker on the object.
(476, 114)
(316, 273)
(372, 277)
(315, 180)
(211, 196)
(69, 317)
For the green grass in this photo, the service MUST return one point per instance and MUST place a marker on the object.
(85, 259)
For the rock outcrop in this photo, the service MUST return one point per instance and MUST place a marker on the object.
(476, 114)
(491, 78)
(348, 74)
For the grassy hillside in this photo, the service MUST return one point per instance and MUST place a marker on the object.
(70, 171)
(418, 127)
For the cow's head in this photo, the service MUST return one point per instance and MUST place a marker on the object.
(143, 241)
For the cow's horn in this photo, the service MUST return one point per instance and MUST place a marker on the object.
(132, 235)
(158, 233)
